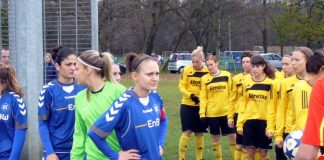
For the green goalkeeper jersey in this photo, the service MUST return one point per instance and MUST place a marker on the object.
(88, 110)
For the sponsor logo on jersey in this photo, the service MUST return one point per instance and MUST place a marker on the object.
(217, 88)
(194, 83)
(153, 123)
(5, 107)
(257, 96)
(4, 117)
(148, 110)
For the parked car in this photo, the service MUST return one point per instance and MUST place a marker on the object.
(273, 59)
(178, 61)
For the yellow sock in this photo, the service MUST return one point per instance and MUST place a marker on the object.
(232, 146)
(217, 149)
(199, 146)
(183, 145)
(238, 152)
(244, 154)
(257, 155)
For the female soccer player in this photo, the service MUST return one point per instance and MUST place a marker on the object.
(56, 107)
(138, 116)
(302, 91)
(189, 85)
(283, 121)
(94, 70)
(256, 121)
(13, 115)
(236, 101)
(214, 104)
(313, 137)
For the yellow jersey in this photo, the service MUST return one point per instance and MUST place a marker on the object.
(215, 94)
(236, 95)
(190, 82)
(301, 95)
(284, 110)
(258, 102)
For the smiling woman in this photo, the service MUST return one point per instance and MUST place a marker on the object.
(138, 116)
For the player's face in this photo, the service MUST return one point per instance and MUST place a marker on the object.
(212, 66)
(148, 76)
(299, 62)
(116, 72)
(257, 70)
(81, 73)
(196, 62)
(246, 64)
(5, 57)
(287, 66)
(67, 68)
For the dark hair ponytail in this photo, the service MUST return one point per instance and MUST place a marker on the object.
(9, 81)
(259, 60)
(134, 60)
(315, 62)
(60, 52)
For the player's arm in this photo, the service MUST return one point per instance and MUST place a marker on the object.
(183, 82)
(281, 114)
(203, 98)
(105, 125)
(163, 125)
(241, 111)
(44, 108)
(79, 135)
(271, 111)
(20, 114)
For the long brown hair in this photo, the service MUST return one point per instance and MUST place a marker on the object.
(8, 80)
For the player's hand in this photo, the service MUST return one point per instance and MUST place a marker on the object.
(128, 155)
(279, 144)
(52, 156)
(230, 124)
(240, 132)
(194, 98)
(269, 135)
(161, 150)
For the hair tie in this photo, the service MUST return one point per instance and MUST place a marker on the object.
(136, 66)
(88, 65)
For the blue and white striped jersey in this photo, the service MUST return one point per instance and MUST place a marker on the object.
(139, 124)
(56, 107)
(13, 115)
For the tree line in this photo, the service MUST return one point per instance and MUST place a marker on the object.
(217, 25)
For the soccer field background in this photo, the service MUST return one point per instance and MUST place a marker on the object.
(168, 89)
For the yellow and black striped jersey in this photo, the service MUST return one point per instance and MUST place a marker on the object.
(236, 95)
(258, 102)
(279, 77)
(215, 94)
(284, 110)
(301, 95)
(190, 82)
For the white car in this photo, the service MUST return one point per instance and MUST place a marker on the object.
(273, 59)
(178, 61)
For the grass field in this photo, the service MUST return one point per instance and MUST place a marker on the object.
(168, 88)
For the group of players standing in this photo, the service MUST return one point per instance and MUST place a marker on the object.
(251, 108)
(85, 113)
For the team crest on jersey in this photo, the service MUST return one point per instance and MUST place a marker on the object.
(5, 107)
(156, 109)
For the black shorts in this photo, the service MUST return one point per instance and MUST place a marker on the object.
(239, 137)
(219, 125)
(190, 120)
(254, 134)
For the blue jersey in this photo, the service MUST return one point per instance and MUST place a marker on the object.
(13, 116)
(56, 110)
(138, 125)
